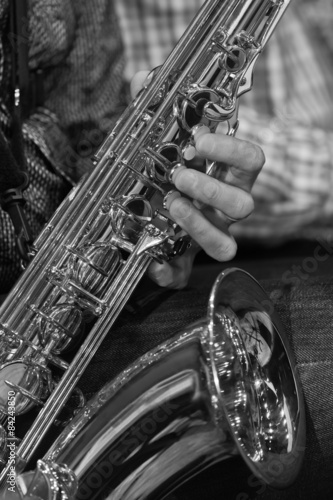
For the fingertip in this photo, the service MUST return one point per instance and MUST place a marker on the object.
(172, 275)
(185, 178)
(199, 131)
(227, 251)
(180, 209)
(161, 274)
(176, 173)
(205, 144)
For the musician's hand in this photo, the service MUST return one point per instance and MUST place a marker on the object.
(218, 202)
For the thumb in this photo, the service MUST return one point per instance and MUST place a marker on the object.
(138, 81)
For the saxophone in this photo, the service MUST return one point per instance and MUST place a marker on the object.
(94, 251)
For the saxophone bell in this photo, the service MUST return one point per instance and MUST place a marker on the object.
(91, 256)
(225, 385)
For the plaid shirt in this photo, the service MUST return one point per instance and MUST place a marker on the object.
(289, 112)
(151, 28)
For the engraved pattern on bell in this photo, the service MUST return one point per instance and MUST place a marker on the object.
(254, 396)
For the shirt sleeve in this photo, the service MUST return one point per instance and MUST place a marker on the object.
(293, 193)
(289, 113)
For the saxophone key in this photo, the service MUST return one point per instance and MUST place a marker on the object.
(55, 360)
(48, 318)
(177, 167)
(162, 161)
(75, 292)
(93, 264)
(169, 198)
(26, 382)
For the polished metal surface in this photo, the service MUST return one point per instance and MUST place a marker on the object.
(225, 385)
(99, 243)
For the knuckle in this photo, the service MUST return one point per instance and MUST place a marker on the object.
(159, 276)
(243, 205)
(211, 190)
(160, 281)
(167, 277)
(254, 154)
(180, 282)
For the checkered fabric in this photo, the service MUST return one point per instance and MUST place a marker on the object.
(289, 112)
(78, 47)
(151, 28)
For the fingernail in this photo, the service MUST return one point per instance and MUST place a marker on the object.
(186, 180)
(181, 208)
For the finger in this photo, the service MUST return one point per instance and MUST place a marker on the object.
(162, 274)
(137, 82)
(217, 243)
(245, 158)
(231, 200)
(217, 218)
(175, 274)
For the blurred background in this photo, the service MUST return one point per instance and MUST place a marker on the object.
(289, 113)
